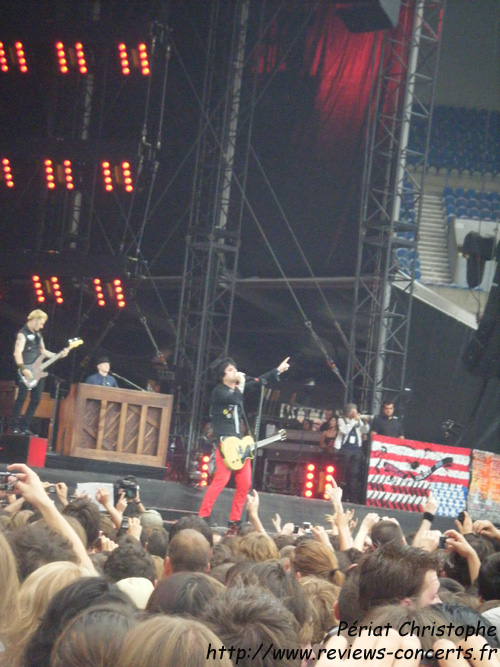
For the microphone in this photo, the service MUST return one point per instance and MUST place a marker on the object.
(136, 386)
(262, 381)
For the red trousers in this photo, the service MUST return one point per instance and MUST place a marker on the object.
(243, 479)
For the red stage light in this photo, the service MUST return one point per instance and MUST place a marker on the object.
(106, 172)
(97, 281)
(49, 174)
(311, 466)
(310, 475)
(101, 302)
(143, 57)
(124, 61)
(68, 174)
(203, 482)
(117, 281)
(35, 278)
(309, 485)
(3, 59)
(206, 459)
(41, 299)
(61, 57)
(127, 176)
(308, 493)
(121, 304)
(80, 54)
(330, 469)
(21, 57)
(7, 173)
(60, 299)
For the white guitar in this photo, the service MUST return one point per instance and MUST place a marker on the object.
(235, 451)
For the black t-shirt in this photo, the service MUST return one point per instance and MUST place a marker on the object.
(392, 428)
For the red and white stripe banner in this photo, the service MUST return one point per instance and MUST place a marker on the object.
(402, 473)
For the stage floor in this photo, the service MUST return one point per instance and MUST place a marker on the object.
(174, 499)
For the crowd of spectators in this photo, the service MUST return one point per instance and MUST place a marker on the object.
(80, 588)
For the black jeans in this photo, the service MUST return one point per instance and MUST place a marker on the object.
(351, 463)
(35, 397)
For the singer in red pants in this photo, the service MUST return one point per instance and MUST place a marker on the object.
(226, 408)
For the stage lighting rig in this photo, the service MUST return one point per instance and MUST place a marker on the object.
(7, 173)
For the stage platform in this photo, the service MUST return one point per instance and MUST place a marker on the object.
(174, 500)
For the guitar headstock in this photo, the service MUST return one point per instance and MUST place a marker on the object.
(74, 342)
(282, 434)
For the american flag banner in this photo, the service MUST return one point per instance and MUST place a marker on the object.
(402, 473)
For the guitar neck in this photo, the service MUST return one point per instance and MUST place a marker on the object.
(268, 441)
(50, 361)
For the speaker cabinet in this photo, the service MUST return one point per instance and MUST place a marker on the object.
(370, 16)
(23, 449)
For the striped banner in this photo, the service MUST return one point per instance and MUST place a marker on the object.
(402, 473)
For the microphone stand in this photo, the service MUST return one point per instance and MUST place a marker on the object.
(54, 419)
(135, 386)
(258, 419)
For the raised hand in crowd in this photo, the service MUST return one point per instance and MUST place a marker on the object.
(464, 527)
(341, 520)
(134, 527)
(457, 542)
(29, 485)
(428, 540)
(276, 521)
(121, 503)
(486, 528)
(288, 529)
(253, 502)
(321, 536)
(103, 496)
(365, 530)
(62, 493)
(15, 504)
(107, 544)
(353, 522)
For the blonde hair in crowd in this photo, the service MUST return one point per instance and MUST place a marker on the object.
(317, 560)
(36, 592)
(169, 640)
(9, 609)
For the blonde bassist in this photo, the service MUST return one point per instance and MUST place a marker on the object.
(28, 347)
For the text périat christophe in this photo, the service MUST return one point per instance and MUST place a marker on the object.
(414, 629)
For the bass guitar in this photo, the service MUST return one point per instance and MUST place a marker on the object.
(38, 367)
(235, 451)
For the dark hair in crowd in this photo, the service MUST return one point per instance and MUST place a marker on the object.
(94, 637)
(392, 573)
(488, 581)
(36, 544)
(87, 513)
(183, 594)
(129, 560)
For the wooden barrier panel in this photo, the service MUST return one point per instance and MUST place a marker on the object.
(120, 425)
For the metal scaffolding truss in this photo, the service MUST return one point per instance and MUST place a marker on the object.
(402, 94)
(213, 238)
